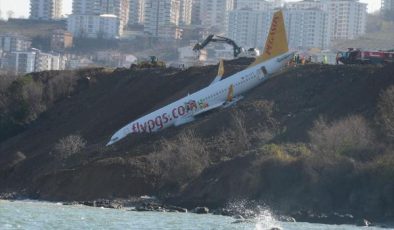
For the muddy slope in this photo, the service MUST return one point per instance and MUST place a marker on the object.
(111, 100)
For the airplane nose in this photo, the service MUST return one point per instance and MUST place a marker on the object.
(109, 143)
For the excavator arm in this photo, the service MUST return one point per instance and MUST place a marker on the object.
(213, 38)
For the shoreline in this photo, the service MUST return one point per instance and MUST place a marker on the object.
(152, 204)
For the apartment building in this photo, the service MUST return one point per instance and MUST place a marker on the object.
(136, 12)
(249, 28)
(86, 7)
(214, 13)
(305, 28)
(49, 61)
(120, 8)
(61, 40)
(94, 26)
(14, 43)
(388, 5)
(346, 18)
(161, 18)
(21, 62)
(33, 60)
(185, 12)
(196, 7)
(98, 18)
(45, 9)
(253, 4)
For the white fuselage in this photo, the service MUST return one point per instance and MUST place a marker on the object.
(213, 96)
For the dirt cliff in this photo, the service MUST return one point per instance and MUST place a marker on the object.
(259, 149)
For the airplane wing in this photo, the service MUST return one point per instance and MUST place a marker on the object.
(211, 107)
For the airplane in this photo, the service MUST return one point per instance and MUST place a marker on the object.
(220, 93)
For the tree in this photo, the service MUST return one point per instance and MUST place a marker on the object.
(69, 146)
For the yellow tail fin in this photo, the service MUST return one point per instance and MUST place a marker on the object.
(221, 68)
(276, 43)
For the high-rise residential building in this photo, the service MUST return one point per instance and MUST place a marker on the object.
(136, 12)
(214, 13)
(253, 4)
(94, 26)
(388, 5)
(120, 8)
(249, 28)
(307, 28)
(98, 18)
(45, 9)
(162, 18)
(185, 12)
(347, 18)
(196, 12)
(86, 7)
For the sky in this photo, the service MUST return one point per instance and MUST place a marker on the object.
(21, 7)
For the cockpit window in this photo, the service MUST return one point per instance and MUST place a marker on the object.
(115, 139)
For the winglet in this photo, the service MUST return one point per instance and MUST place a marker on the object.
(220, 72)
(276, 43)
(221, 68)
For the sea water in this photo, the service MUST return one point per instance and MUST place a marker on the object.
(42, 215)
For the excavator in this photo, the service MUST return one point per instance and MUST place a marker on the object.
(152, 63)
(214, 38)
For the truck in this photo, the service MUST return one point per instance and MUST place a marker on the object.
(357, 56)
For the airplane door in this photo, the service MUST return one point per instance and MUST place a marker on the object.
(263, 72)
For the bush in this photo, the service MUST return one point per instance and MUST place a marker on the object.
(386, 112)
(180, 160)
(343, 137)
(5, 81)
(69, 146)
(285, 152)
(240, 132)
(234, 140)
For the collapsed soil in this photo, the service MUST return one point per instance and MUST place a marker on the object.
(107, 101)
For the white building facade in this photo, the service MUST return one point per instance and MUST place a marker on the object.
(249, 28)
(161, 18)
(388, 5)
(214, 13)
(86, 7)
(14, 43)
(305, 28)
(94, 26)
(346, 18)
(45, 9)
(21, 62)
(185, 12)
(136, 12)
(253, 4)
(98, 18)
